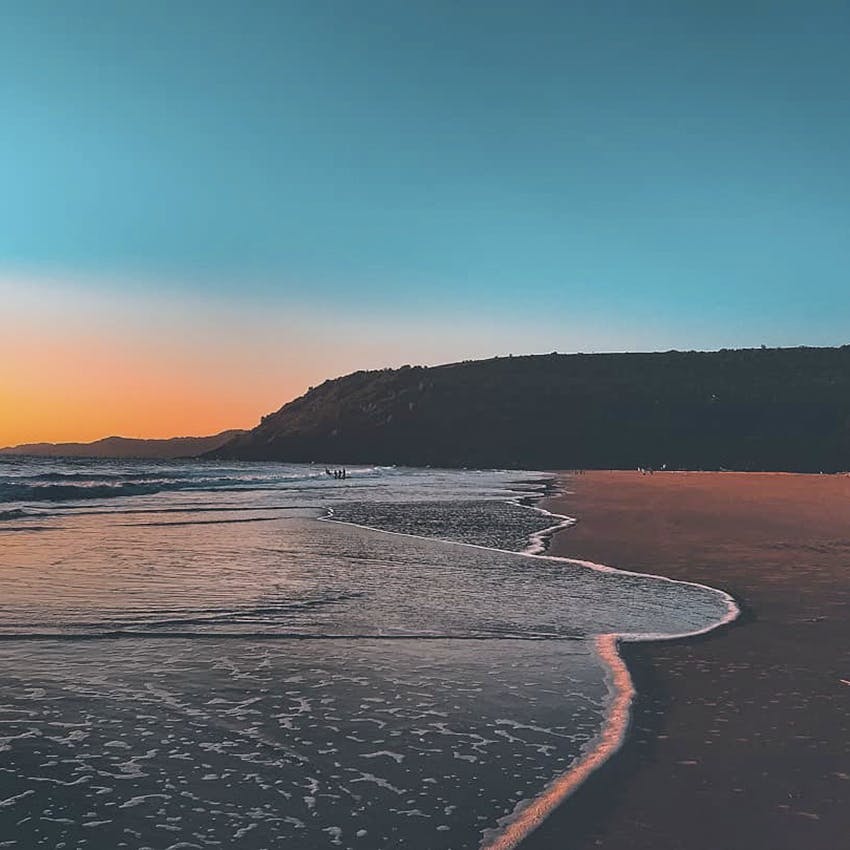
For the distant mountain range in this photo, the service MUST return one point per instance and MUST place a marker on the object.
(127, 447)
(750, 409)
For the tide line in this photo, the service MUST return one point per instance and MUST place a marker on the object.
(529, 815)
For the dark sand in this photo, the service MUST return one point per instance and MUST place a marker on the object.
(740, 738)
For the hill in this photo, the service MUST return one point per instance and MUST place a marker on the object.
(126, 447)
(766, 409)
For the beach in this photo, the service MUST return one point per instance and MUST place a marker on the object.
(739, 738)
(384, 661)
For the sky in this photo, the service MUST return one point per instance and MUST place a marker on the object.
(207, 207)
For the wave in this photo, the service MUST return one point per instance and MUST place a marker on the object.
(15, 513)
(95, 484)
(95, 476)
(111, 634)
(16, 492)
(13, 492)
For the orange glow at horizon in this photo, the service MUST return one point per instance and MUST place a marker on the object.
(75, 368)
(75, 390)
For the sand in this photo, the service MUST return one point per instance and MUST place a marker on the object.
(740, 738)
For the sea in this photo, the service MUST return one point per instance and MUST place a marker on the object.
(257, 655)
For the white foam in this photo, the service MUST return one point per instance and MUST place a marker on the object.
(397, 757)
(10, 801)
(142, 798)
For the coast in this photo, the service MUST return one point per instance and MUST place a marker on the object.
(739, 738)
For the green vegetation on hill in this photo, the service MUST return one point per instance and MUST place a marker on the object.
(759, 409)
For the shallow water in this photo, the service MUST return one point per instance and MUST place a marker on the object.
(193, 655)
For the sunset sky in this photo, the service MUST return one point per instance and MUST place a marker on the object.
(209, 206)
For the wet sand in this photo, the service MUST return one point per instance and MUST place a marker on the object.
(739, 738)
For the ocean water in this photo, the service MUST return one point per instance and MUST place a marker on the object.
(201, 655)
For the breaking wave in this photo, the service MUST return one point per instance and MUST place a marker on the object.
(72, 492)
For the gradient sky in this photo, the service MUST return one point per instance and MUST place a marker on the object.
(208, 206)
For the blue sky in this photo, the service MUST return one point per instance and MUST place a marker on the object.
(614, 174)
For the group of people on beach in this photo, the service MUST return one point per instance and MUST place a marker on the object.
(337, 473)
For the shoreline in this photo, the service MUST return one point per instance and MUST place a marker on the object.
(692, 772)
(516, 829)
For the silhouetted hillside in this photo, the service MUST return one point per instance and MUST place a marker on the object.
(126, 447)
(774, 409)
